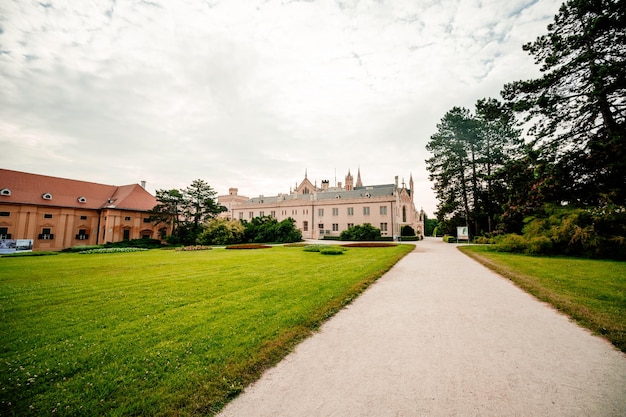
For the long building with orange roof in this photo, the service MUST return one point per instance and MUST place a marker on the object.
(56, 213)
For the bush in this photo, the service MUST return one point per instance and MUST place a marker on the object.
(449, 239)
(539, 245)
(360, 232)
(511, 243)
(407, 230)
(222, 232)
(268, 229)
(369, 245)
(314, 248)
(332, 250)
(193, 248)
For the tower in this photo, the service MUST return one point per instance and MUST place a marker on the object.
(358, 179)
(349, 182)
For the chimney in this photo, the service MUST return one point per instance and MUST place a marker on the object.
(143, 184)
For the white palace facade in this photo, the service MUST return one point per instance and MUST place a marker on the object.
(327, 211)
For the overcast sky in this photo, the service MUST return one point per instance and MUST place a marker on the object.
(249, 93)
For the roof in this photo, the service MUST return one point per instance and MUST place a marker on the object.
(43, 190)
(357, 192)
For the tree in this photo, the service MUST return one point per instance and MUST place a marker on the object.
(222, 232)
(469, 153)
(266, 229)
(169, 208)
(199, 204)
(576, 108)
(186, 209)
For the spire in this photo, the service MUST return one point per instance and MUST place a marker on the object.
(359, 183)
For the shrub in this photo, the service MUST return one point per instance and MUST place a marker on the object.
(314, 248)
(360, 232)
(407, 230)
(539, 245)
(222, 232)
(449, 239)
(511, 243)
(332, 250)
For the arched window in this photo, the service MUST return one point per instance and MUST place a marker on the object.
(403, 214)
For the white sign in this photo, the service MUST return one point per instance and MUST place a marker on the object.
(462, 233)
(15, 245)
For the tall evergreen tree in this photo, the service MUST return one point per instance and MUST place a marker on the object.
(577, 108)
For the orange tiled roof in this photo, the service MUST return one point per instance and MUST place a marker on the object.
(26, 188)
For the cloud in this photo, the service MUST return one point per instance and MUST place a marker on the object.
(248, 94)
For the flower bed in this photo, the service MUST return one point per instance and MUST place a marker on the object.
(248, 246)
(112, 250)
(194, 247)
(369, 245)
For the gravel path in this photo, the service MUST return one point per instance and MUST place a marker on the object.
(440, 335)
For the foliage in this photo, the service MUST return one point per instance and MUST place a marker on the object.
(585, 232)
(592, 292)
(407, 230)
(576, 108)
(145, 243)
(332, 250)
(314, 248)
(222, 232)
(469, 154)
(360, 232)
(430, 226)
(268, 229)
(186, 210)
(162, 332)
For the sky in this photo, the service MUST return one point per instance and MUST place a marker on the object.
(249, 94)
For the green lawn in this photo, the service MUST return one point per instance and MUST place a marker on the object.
(162, 332)
(593, 292)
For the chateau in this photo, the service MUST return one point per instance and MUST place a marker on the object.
(39, 212)
(327, 211)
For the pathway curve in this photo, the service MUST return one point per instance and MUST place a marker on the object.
(441, 335)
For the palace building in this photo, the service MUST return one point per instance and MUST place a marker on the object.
(327, 211)
(56, 213)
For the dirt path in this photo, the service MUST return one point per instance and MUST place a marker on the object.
(440, 335)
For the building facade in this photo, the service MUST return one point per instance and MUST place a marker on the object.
(57, 213)
(327, 211)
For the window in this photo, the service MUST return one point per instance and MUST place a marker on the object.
(47, 216)
(250, 214)
(126, 234)
(82, 199)
(146, 219)
(261, 213)
(320, 226)
(335, 212)
(4, 233)
(273, 213)
(305, 226)
(383, 210)
(5, 192)
(46, 234)
(366, 211)
(350, 211)
(383, 227)
(83, 217)
(82, 234)
(241, 215)
(320, 212)
(127, 218)
(47, 196)
(350, 225)
(335, 227)
(5, 213)
(404, 214)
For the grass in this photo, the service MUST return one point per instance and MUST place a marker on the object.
(162, 332)
(592, 292)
